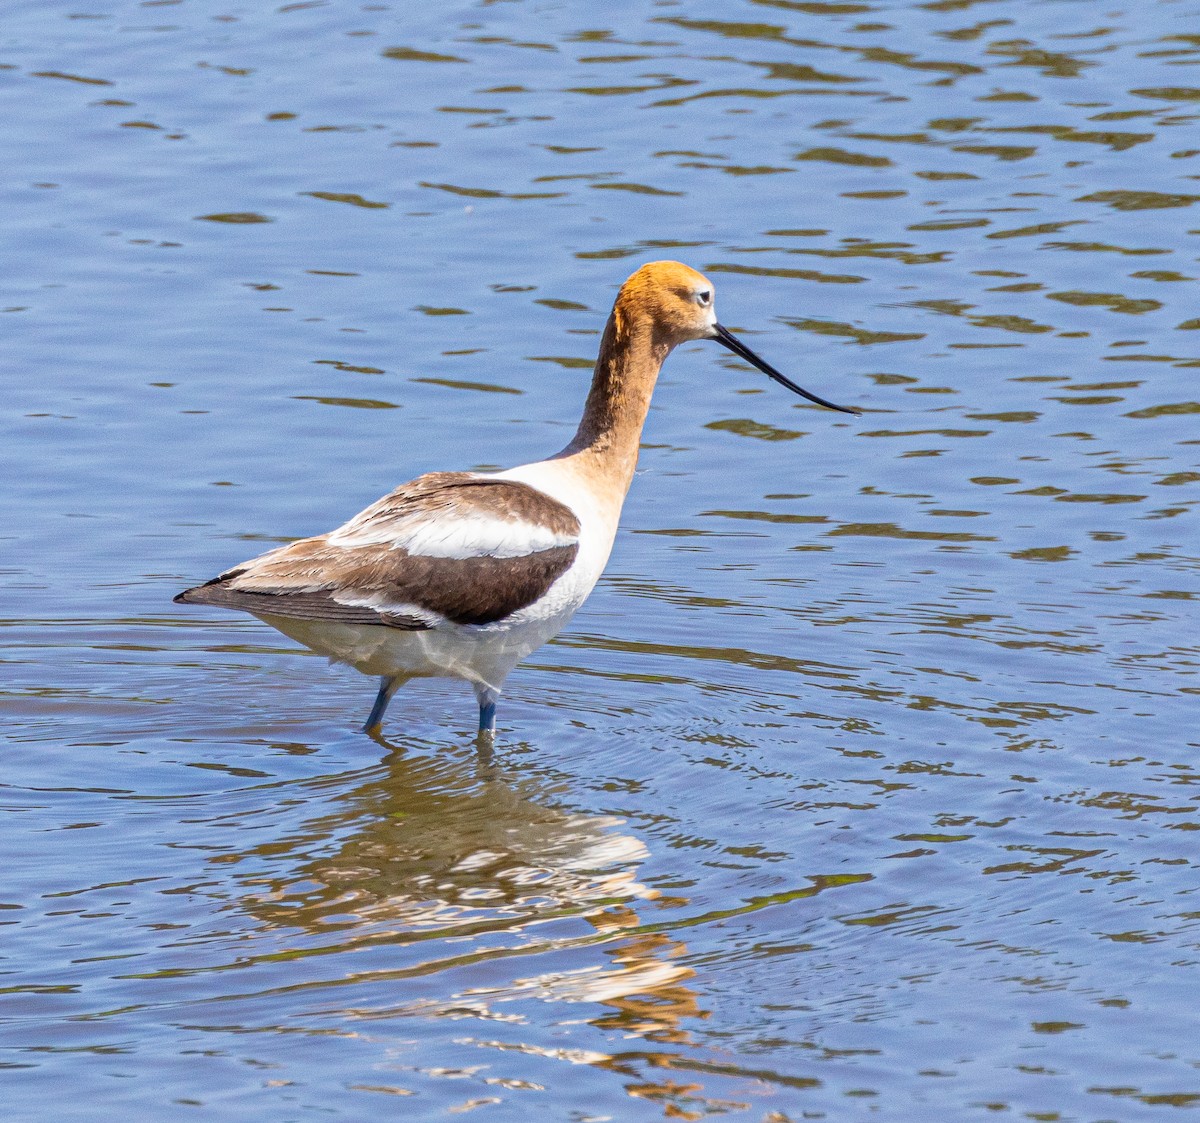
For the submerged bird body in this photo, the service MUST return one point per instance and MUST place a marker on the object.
(463, 574)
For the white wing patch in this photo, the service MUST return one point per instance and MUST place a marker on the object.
(475, 536)
(380, 603)
(450, 535)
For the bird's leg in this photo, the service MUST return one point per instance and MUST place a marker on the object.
(488, 697)
(387, 687)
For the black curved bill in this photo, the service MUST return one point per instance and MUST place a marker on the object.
(728, 339)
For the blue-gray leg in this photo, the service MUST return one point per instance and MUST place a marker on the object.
(487, 707)
(387, 687)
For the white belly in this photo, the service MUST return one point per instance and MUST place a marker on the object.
(483, 655)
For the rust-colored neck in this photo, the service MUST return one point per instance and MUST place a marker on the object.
(632, 352)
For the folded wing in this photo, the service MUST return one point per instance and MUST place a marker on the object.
(447, 547)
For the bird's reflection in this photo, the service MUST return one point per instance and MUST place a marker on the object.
(460, 845)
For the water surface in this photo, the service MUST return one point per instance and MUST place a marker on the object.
(864, 785)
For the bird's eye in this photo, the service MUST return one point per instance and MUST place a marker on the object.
(704, 297)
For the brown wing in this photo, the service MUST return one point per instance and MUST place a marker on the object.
(389, 564)
(312, 605)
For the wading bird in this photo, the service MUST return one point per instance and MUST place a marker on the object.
(463, 574)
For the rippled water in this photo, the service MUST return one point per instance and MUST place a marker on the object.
(866, 782)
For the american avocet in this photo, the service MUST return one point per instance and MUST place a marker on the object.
(463, 574)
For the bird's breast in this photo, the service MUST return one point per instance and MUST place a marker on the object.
(598, 514)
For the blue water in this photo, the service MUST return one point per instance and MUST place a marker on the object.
(865, 785)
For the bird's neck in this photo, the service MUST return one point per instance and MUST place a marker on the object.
(606, 443)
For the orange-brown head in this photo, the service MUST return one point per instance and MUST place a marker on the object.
(671, 299)
(676, 304)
